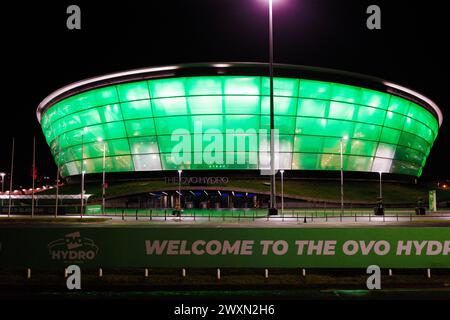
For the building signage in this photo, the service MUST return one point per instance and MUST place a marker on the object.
(198, 180)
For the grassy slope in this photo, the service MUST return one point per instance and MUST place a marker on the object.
(355, 191)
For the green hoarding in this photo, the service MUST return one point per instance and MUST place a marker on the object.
(113, 247)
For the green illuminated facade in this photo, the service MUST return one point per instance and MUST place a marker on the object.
(137, 121)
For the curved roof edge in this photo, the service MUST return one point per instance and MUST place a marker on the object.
(237, 68)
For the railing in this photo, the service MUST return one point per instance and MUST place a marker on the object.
(303, 215)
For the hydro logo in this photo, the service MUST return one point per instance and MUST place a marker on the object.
(73, 247)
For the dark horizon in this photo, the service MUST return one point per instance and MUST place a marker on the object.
(42, 55)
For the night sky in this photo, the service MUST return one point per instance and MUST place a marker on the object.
(39, 54)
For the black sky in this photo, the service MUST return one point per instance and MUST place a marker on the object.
(40, 55)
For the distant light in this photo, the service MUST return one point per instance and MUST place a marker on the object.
(180, 171)
(100, 139)
(345, 137)
(282, 171)
(221, 65)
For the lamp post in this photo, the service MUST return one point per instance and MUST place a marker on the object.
(282, 193)
(103, 175)
(179, 188)
(273, 206)
(58, 173)
(2, 174)
(342, 173)
(82, 173)
(381, 188)
(11, 178)
(33, 176)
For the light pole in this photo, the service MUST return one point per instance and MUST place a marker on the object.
(273, 206)
(104, 175)
(2, 174)
(342, 173)
(82, 173)
(179, 188)
(58, 173)
(33, 176)
(11, 178)
(381, 188)
(282, 193)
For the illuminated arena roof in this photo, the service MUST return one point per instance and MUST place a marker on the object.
(216, 117)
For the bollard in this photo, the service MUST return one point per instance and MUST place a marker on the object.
(146, 272)
(183, 273)
(390, 272)
(123, 218)
(165, 215)
(304, 272)
(266, 273)
(428, 273)
(326, 217)
(29, 273)
(304, 219)
(218, 274)
(100, 272)
(136, 214)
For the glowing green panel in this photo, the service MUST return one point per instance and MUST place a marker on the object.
(285, 106)
(174, 87)
(311, 144)
(205, 105)
(315, 89)
(287, 87)
(144, 145)
(312, 108)
(371, 115)
(167, 143)
(339, 110)
(345, 93)
(242, 105)
(205, 123)
(285, 125)
(374, 99)
(399, 105)
(133, 91)
(169, 106)
(140, 127)
(244, 122)
(147, 162)
(359, 147)
(390, 135)
(358, 163)
(136, 109)
(242, 85)
(394, 120)
(204, 86)
(173, 125)
(366, 131)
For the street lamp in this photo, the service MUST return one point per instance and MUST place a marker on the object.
(282, 193)
(82, 171)
(104, 175)
(273, 209)
(381, 188)
(342, 173)
(2, 174)
(179, 188)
